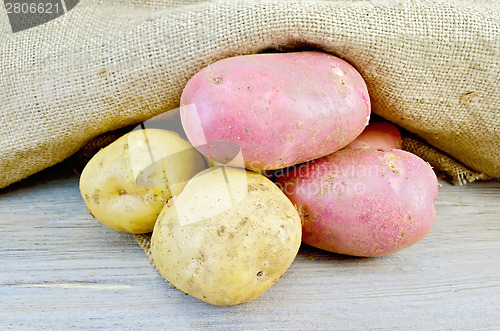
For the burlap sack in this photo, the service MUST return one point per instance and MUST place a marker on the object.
(431, 66)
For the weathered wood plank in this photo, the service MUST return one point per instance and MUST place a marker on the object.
(61, 269)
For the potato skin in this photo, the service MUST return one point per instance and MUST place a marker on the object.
(363, 202)
(281, 109)
(224, 248)
(123, 199)
(378, 135)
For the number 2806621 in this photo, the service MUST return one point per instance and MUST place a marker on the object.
(32, 8)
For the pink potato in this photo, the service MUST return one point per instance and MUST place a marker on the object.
(378, 135)
(363, 202)
(276, 109)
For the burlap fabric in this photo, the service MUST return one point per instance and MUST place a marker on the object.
(432, 67)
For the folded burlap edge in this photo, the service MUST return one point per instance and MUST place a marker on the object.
(452, 170)
(144, 240)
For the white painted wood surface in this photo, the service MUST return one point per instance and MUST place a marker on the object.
(60, 269)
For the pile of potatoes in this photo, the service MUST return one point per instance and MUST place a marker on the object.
(279, 152)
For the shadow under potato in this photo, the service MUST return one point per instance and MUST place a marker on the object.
(314, 253)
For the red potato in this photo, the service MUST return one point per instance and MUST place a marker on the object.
(377, 135)
(276, 109)
(364, 202)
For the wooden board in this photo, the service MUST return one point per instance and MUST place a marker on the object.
(61, 269)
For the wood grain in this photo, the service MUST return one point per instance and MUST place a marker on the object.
(61, 269)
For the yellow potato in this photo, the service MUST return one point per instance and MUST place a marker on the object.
(125, 185)
(227, 238)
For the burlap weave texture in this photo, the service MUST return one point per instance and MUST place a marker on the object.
(431, 67)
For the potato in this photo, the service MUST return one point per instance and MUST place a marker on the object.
(378, 135)
(125, 185)
(364, 202)
(227, 237)
(277, 109)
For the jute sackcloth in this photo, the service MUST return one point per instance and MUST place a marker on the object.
(432, 67)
